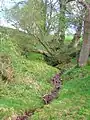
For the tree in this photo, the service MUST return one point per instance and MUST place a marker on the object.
(86, 35)
(46, 21)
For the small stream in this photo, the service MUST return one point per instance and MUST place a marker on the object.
(56, 81)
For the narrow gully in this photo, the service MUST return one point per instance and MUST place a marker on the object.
(56, 81)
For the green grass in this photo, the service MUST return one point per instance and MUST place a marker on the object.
(76, 73)
(73, 103)
(35, 56)
(68, 38)
(32, 81)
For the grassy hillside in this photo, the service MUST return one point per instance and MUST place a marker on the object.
(32, 81)
(73, 103)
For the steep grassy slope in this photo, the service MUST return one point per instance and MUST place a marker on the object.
(73, 103)
(31, 82)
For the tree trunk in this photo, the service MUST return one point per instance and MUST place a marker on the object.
(44, 15)
(62, 22)
(86, 40)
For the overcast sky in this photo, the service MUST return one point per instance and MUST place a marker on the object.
(7, 4)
